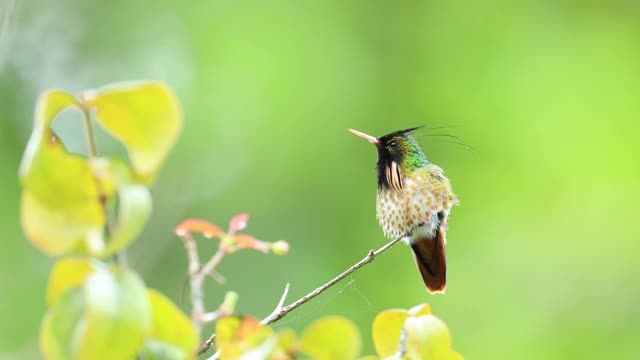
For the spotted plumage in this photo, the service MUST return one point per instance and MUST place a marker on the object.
(425, 193)
(414, 201)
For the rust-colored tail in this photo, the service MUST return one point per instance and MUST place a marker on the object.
(431, 259)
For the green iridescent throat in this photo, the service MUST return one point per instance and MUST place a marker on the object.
(413, 156)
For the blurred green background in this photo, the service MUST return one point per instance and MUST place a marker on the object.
(543, 253)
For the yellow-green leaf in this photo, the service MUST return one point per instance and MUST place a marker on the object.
(428, 338)
(172, 335)
(133, 211)
(144, 116)
(116, 317)
(332, 338)
(60, 230)
(66, 274)
(49, 105)
(287, 345)
(107, 318)
(288, 340)
(386, 329)
(59, 326)
(243, 336)
(160, 350)
(419, 310)
(60, 209)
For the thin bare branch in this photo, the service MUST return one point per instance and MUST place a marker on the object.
(207, 344)
(281, 312)
(211, 316)
(278, 308)
(219, 278)
(195, 282)
(210, 266)
(367, 259)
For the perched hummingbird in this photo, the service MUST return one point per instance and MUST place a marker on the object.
(414, 200)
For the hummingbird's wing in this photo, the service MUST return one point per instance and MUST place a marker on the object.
(428, 194)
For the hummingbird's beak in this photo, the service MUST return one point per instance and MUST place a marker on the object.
(369, 138)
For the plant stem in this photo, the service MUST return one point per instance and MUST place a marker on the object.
(197, 297)
(120, 257)
(213, 262)
(91, 141)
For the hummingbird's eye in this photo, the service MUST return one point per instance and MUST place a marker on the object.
(393, 144)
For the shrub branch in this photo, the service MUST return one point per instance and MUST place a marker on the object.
(120, 257)
(281, 312)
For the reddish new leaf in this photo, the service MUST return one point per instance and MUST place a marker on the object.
(238, 222)
(198, 226)
(244, 241)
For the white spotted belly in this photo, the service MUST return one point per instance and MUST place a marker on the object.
(411, 212)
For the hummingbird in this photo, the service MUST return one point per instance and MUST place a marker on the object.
(414, 200)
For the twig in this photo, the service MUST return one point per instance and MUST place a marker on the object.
(212, 263)
(276, 311)
(206, 345)
(367, 259)
(219, 278)
(281, 312)
(197, 275)
(211, 316)
(197, 300)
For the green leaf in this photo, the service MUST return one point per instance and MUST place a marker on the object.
(287, 345)
(331, 338)
(160, 350)
(107, 318)
(421, 309)
(428, 338)
(172, 335)
(49, 105)
(288, 340)
(59, 326)
(386, 329)
(66, 274)
(117, 316)
(60, 230)
(133, 212)
(60, 202)
(144, 116)
(243, 337)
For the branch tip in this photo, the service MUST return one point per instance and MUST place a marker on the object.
(277, 312)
